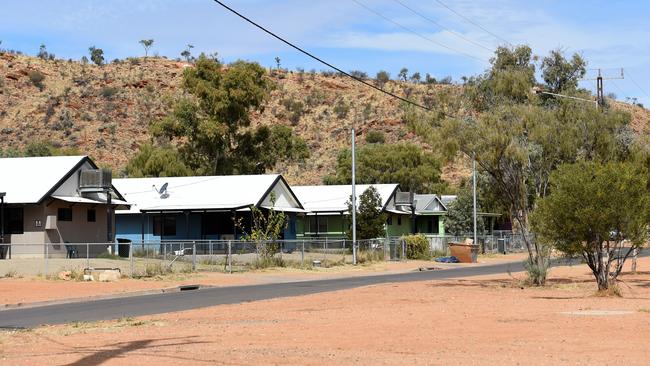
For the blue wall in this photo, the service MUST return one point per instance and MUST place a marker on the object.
(129, 226)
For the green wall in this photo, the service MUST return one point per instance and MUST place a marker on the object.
(337, 225)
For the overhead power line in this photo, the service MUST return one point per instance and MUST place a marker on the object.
(416, 32)
(323, 61)
(635, 83)
(474, 23)
(457, 34)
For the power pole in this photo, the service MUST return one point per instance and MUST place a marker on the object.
(474, 199)
(600, 93)
(354, 204)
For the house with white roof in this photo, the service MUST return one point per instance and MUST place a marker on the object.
(201, 207)
(327, 207)
(327, 210)
(55, 200)
(426, 215)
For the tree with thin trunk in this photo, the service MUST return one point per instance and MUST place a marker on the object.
(277, 62)
(187, 53)
(146, 44)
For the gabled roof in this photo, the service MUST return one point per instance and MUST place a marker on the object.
(209, 193)
(447, 199)
(31, 180)
(334, 198)
(428, 203)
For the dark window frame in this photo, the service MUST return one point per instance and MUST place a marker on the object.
(14, 220)
(164, 226)
(64, 214)
(91, 215)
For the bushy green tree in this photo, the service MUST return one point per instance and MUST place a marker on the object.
(370, 218)
(598, 211)
(404, 163)
(560, 74)
(460, 214)
(403, 74)
(518, 141)
(382, 78)
(212, 125)
(96, 55)
(151, 161)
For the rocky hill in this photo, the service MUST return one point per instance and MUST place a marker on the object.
(105, 111)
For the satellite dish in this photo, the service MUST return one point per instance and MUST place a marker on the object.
(162, 191)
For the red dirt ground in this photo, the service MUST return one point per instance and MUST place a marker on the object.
(473, 321)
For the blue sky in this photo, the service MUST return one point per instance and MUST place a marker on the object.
(609, 34)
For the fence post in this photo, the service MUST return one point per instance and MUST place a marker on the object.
(87, 255)
(193, 256)
(47, 254)
(325, 251)
(302, 253)
(229, 258)
(131, 257)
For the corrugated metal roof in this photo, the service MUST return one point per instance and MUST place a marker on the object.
(197, 193)
(28, 180)
(76, 199)
(333, 198)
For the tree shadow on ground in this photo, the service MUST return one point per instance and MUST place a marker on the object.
(96, 355)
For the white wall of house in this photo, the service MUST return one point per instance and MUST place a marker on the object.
(283, 199)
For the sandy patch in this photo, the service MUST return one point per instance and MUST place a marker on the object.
(489, 320)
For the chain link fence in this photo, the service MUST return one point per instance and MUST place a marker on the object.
(149, 259)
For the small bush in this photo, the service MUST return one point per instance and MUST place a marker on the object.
(263, 263)
(12, 273)
(359, 74)
(108, 92)
(107, 255)
(341, 109)
(369, 256)
(295, 109)
(536, 273)
(37, 77)
(375, 137)
(156, 269)
(417, 247)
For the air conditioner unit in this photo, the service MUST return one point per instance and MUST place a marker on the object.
(50, 222)
(94, 180)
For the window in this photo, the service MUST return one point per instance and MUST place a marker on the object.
(13, 220)
(399, 220)
(322, 224)
(389, 220)
(64, 214)
(91, 215)
(429, 226)
(164, 226)
(317, 224)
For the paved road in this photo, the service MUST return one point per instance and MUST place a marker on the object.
(204, 297)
